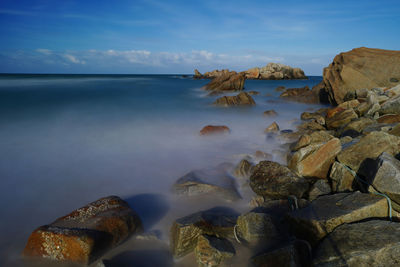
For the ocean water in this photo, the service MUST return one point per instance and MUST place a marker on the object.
(67, 140)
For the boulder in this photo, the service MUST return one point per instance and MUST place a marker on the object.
(253, 73)
(256, 226)
(86, 233)
(371, 243)
(341, 118)
(270, 113)
(273, 128)
(391, 106)
(313, 138)
(227, 82)
(240, 99)
(356, 127)
(185, 231)
(360, 68)
(213, 182)
(326, 213)
(277, 71)
(310, 126)
(211, 251)
(389, 118)
(342, 178)
(296, 253)
(303, 94)
(319, 188)
(313, 116)
(214, 129)
(270, 179)
(315, 160)
(369, 146)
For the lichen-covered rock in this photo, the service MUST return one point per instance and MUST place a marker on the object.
(86, 233)
(315, 160)
(214, 129)
(326, 213)
(369, 146)
(319, 188)
(276, 181)
(256, 226)
(295, 254)
(213, 182)
(371, 243)
(241, 99)
(185, 231)
(211, 251)
(342, 178)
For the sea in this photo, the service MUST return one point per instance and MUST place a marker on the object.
(67, 140)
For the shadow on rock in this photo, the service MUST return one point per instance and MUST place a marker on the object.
(141, 258)
(150, 207)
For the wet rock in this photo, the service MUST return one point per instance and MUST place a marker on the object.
(386, 179)
(356, 127)
(256, 226)
(303, 94)
(86, 233)
(369, 146)
(326, 213)
(371, 243)
(345, 140)
(273, 128)
(253, 93)
(342, 178)
(185, 231)
(270, 113)
(214, 129)
(230, 81)
(212, 251)
(241, 99)
(391, 106)
(296, 253)
(341, 118)
(280, 88)
(319, 188)
(389, 118)
(313, 116)
(213, 182)
(315, 160)
(275, 181)
(313, 138)
(243, 169)
(310, 126)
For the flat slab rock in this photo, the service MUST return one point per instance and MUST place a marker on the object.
(86, 233)
(324, 214)
(372, 243)
(185, 231)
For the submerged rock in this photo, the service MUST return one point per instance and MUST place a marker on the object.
(214, 129)
(326, 213)
(185, 231)
(241, 99)
(371, 243)
(270, 113)
(212, 251)
(276, 181)
(272, 128)
(86, 233)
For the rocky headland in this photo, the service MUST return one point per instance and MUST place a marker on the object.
(335, 202)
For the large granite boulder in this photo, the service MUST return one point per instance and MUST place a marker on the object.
(253, 73)
(315, 160)
(326, 213)
(242, 99)
(275, 181)
(361, 68)
(212, 182)
(371, 243)
(219, 222)
(86, 233)
(369, 146)
(231, 81)
(277, 71)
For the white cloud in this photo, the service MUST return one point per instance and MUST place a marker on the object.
(74, 59)
(44, 51)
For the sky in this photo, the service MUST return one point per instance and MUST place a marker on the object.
(177, 36)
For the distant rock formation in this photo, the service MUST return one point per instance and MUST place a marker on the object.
(272, 71)
(229, 81)
(360, 68)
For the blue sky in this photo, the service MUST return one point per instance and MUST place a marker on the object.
(155, 36)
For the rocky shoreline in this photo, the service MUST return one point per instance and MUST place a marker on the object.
(335, 203)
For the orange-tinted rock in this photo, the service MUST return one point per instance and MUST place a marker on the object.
(315, 160)
(241, 99)
(214, 129)
(253, 73)
(341, 118)
(231, 81)
(333, 111)
(389, 118)
(361, 68)
(86, 233)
